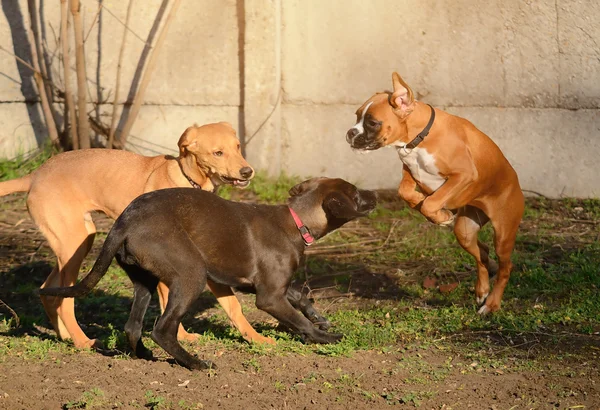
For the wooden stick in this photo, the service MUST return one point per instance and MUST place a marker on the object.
(64, 40)
(82, 123)
(113, 120)
(39, 81)
(139, 97)
(34, 16)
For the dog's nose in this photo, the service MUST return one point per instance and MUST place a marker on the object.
(351, 134)
(246, 172)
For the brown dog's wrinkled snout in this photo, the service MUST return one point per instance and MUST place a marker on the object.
(367, 201)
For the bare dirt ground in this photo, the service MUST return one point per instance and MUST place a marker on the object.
(476, 370)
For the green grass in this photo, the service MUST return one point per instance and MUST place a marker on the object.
(23, 164)
(265, 189)
(554, 293)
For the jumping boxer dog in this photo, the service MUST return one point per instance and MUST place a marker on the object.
(461, 176)
(184, 237)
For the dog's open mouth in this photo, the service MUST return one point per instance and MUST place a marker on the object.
(368, 147)
(240, 183)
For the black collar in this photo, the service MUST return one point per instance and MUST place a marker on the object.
(423, 133)
(191, 181)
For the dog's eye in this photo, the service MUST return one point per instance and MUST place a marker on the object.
(238, 147)
(218, 153)
(373, 123)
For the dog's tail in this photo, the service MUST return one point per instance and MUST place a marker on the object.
(15, 185)
(113, 242)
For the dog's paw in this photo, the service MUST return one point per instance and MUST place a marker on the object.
(263, 340)
(325, 325)
(89, 344)
(184, 336)
(450, 219)
(484, 310)
(320, 336)
(203, 365)
(144, 353)
(481, 299)
(321, 322)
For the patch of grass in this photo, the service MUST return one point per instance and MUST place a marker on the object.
(88, 400)
(23, 164)
(265, 189)
(154, 401)
(33, 348)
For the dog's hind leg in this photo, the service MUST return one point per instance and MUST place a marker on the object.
(144, 284)
(232, 307)
(70, 234)
(506, 220)
(165, 331)
(468, 222)
(304, 305)
(163, 299)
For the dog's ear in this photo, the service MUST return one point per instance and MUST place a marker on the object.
(187, 140)
(402, 100)
(300, 188)
(341, 206)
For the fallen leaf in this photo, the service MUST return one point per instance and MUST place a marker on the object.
(429, 282)
(449, 287)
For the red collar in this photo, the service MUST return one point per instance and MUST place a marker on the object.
(306, 235)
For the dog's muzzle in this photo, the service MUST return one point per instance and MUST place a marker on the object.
(360, 140)
(367, 202)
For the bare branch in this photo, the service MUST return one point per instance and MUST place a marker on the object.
(12, 312)
(113, 120)
(83, 125)
(139, 97)
(64, 39)
(94, 20)
(39, 80)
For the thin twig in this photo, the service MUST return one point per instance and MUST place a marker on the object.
(95, 19)
(39, 80)
(125, 25)
(12, 312)
(139, 97)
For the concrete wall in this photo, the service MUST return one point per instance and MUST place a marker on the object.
(290, 75)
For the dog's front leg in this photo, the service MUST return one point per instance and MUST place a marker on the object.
(408, 189)
(276, 304)
(452, 195)
(304, 305)
(232, 307)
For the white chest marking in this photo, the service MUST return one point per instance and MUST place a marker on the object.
(360, 124)
(421, 165)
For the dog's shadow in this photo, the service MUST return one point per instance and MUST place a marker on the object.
(101, 314)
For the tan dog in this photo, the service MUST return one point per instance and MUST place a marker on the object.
(456, 167)
(65, 189)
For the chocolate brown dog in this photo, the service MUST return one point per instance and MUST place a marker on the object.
(183, 237)
(64, 191)
(456, 167)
